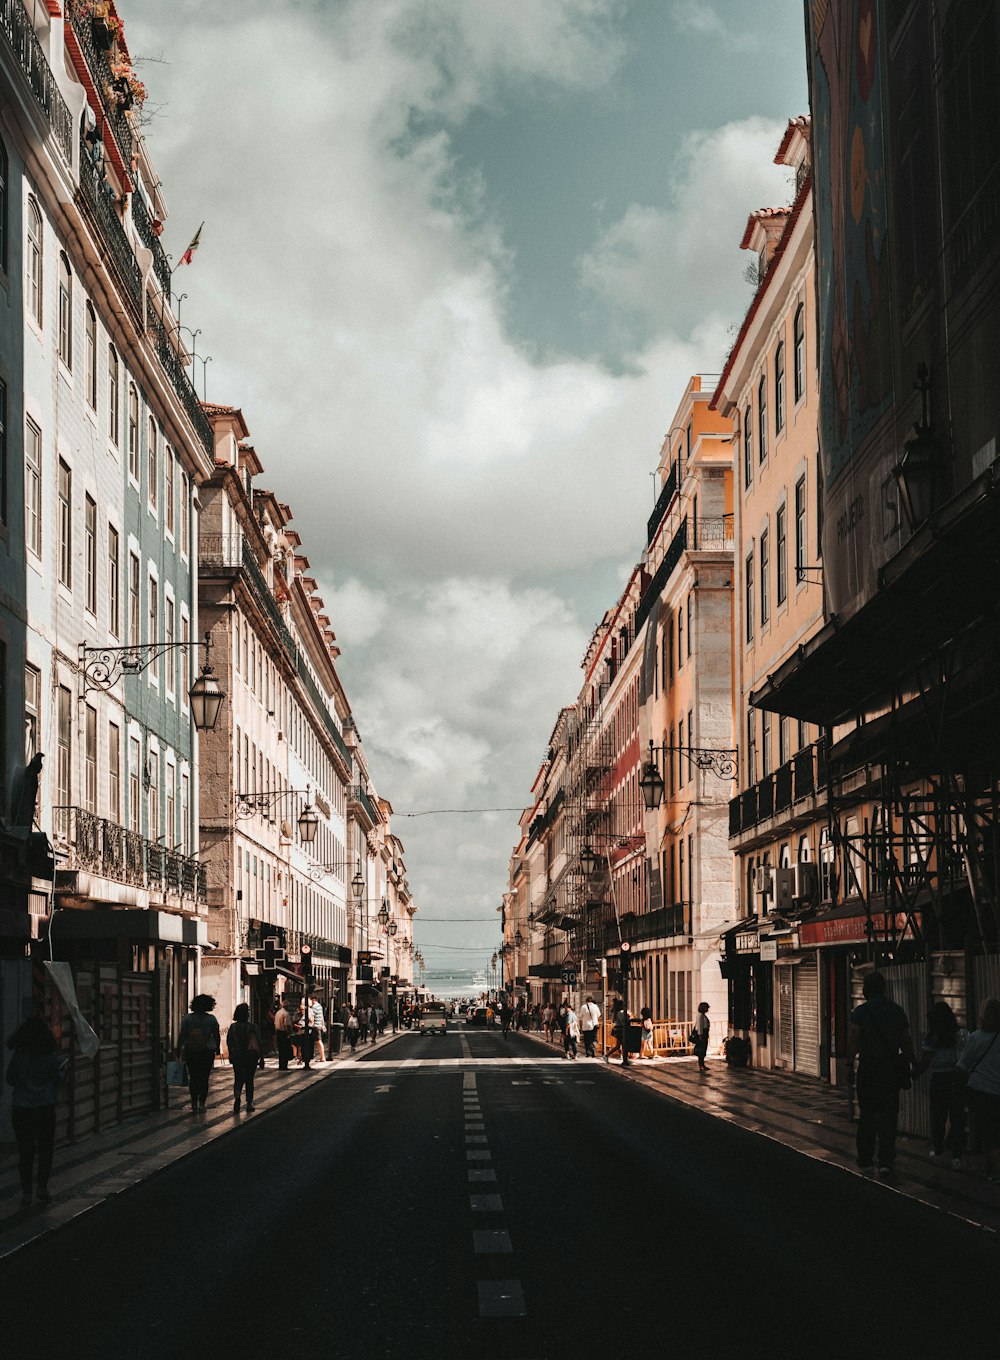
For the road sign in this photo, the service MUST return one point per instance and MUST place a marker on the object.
(569, 977)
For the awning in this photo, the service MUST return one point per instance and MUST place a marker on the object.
(945, 580)
(141, 927)
(724, 928)
(846, 924)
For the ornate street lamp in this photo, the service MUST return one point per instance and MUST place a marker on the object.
(103, 667)
(308, 823)
(651, 783)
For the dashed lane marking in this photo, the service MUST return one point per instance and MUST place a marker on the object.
(486, 1204)
(487, 1174)
(478, 1155)
(475, 1138)
(501, 1298)
(491, 1242)
(468, 1081)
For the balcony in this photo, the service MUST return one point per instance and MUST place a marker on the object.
(220, 552)
(356, 794)
(110, 851)
(663, 500)
(719, 533)
(333, 731)
(179, 380)
(16, 24)
(99, 63)
(780, 794)
(654, 590)
(144, 228)
(98, 199)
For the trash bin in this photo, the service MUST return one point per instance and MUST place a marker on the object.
(633, 1039)
(336, 1037)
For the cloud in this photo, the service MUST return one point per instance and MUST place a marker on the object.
(352, 288)
(703, 20)
(674, 268)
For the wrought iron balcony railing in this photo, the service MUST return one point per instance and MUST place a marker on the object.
(667, 494)
(220, 552)
(779, 792)
(357, 794)
(100, 68)
(99, 199)
(148, 237)
(112, 851)
(16, 24)
(179, 380)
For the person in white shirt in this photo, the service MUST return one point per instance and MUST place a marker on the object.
(572, 1032)
(318, 1022)
(590, 1019)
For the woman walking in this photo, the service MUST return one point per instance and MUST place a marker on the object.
(980, 1061)
(244, 1044)
(34, 1071)
(647, 1050)
(200, 1042)
(353, 1029)
(942, 1047)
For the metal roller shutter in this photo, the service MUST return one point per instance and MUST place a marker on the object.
(805, 1005)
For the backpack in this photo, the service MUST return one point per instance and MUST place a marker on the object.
(195, 1041)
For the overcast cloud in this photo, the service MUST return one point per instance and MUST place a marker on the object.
(468, 504)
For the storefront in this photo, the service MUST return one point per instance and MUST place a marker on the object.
(747, 965)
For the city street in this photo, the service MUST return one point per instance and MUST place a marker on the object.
(467, 1194)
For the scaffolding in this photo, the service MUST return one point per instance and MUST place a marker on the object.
(587, 884)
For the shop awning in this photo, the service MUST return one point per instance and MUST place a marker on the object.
(139, 926)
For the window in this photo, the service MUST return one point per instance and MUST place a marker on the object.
(185, 658)
(133, 600)
(765, 577)
(3, 207)
(90, 339)
(680, 754)
(800, 528)
(114, 395)
(134, 785)
(780, 553)
(90, 543)
(114, 581)
(765, 744)
(168, 488)
(185, 838)
(799, 351)
(65, 525)
(32, 712)
(152, 625)
(748, 596)
(153, 798)
(65, 311)
(114, 773)
(680, 637)
(779, 388)
(169, 657)
(762, 418)
(33, 263)
(33, 487)
(783, 751)
(153, 489)
(689, 599)
(171, 806)
(751, 746)
(64, 753)
(826, 866)
(185, 515)
(3, 442)
(690, 765)
(90, 760)
(133, 432)
(748, 446)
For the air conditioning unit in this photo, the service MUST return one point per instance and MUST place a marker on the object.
(783, 881)
(805, 882)
(762, 880)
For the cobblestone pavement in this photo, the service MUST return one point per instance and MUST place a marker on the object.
(87, 1172)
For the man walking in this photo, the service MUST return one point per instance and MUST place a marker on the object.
(283, 1029)
(880, 1039)
(590, 1019)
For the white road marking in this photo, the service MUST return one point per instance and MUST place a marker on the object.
(486, 1204)
(491, 1242)
(475, 1138)
(480, 1064)
(468, 1080)
(478, 1155)
(380, 1089)
(466, 1050)
(501, 1298)
(488, 1175)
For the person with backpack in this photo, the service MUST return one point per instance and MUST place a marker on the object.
(243, 1042)
(199, 1043)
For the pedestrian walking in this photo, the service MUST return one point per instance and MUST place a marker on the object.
(505, 1017)
(317, 1020)
(646, 1048)
(353, 1028)
(548, 1020)
(700, 1031)
(284, 1029)
(571, 1031)
(362, 1014)
(199, 1045)
(942, 1047)
(619, 1020)
(536, 1018)
(489, 1016)
(373, 1023)
(880, 1039)
(980, 1062)
(590, 1020)
(34, 1071)
(267, 1042)
(244, 1044)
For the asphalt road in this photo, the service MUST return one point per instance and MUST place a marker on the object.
(471, 1196)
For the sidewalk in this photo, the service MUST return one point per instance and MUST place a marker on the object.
(812, 1119)
(86, 1173)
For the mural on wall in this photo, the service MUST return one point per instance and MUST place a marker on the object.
(853, 261)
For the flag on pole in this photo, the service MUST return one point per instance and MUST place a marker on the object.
(188, 255)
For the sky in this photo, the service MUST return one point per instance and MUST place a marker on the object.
(460, 258)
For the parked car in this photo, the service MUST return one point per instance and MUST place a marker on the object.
(476, 1016)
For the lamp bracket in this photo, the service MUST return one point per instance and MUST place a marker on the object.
(252, 804)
